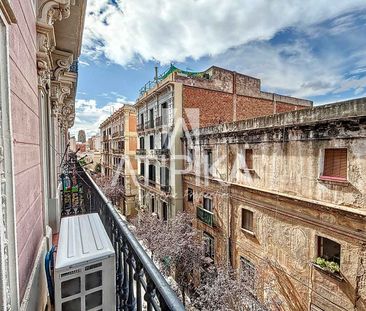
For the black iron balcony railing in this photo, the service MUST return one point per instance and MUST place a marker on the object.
(118, 151)
(152, 183)
(149, 124)
(165, 188)
(141, 152)
(140, 127)
(162, 152)
(205, 216)
(138, 282)
(158, 121)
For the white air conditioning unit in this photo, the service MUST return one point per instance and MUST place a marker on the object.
(85, 266)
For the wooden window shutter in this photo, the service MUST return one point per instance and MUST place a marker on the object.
(335, 163)
(249, 158)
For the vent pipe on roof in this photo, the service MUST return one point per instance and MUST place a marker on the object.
(156, 74)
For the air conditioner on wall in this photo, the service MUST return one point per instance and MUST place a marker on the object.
(85, 266)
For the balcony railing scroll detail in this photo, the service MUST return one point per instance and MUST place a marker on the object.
(141, 152)
(139, 283)
(140, 127)
(205, 216)
(162, 152)
(165, 188)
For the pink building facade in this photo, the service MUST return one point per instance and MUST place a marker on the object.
(40, 42)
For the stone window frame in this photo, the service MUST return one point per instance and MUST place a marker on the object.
(9, 287)
(246, 230)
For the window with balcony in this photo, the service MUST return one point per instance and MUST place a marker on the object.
(151, 118)
(152, 174)
(142, 142)
(247, 220)
(190, 195)
(164, 141)
(164, 113)
(142, 169)
(151, 142)
(208, 162)
(209, 245)
(164, 208)
(329, 255)
(152, 205)
(190, 156)
(164, 176)
(205, 212)
(335, 164)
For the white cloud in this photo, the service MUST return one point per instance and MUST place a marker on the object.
(89, 116)
(167, 30)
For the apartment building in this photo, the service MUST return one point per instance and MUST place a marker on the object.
(40, 42)
(285, 196)
(119, 143)
(177, 100)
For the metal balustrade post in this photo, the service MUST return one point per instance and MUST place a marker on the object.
(139, 274)
(131, 302)
(125, 274)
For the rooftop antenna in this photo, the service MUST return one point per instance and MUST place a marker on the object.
(156, 74)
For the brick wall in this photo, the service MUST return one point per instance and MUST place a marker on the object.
(215, 107)
(25, 122)
(218, 107)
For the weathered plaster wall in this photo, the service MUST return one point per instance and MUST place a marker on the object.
(25, 118)
(291, 206)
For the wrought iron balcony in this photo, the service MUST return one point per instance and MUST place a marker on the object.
(162, 152)
(118, 151)
(158, 121)
(140, 127)
(141, 152)
(165, 188)
(139, 283)
(205, 216)
(149, 124)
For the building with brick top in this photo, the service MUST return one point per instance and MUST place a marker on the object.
(178, 99)
(286, 193)
(119, 142)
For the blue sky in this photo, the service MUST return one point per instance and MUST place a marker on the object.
(311, 49)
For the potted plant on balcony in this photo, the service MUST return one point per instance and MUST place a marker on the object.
(328, 266)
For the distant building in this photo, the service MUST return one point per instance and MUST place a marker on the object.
(81, 136)
(81, 147)
(119, 142)
(72, 144)
(199, 99)
(286, 194)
